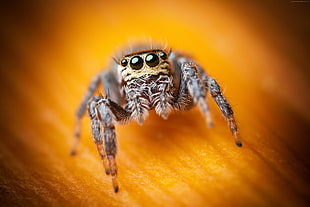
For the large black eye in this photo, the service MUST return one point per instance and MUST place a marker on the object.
(162, 55)
(136, 63)
(124, 62)
(152, 60)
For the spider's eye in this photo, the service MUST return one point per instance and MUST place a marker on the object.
(124, 62)
(162, 55)
(136, 63)
(152, 60)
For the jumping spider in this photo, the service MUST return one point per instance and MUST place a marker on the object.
(143, 79)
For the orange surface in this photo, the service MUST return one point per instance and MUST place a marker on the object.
(258, 52)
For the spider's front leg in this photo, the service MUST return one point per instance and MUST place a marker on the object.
(225, 107)
(103, 114)
(196, 88)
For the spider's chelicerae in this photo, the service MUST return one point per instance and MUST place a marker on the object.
(143, 79)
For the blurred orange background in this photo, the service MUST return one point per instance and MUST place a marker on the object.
(259, 53)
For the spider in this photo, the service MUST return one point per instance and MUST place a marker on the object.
(142, 79)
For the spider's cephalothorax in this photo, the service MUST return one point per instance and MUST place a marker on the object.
(147, 83)
(141, 80)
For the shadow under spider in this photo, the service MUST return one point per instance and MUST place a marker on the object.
(179, 130)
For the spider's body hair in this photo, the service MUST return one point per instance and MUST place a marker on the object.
(139, 47)
(147, 93)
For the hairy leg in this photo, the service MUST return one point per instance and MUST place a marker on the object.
(109, 81)
(225, 107)
(103, 113)
(97, 132)
(196, 88)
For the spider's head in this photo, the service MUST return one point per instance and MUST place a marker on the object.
(145, 62)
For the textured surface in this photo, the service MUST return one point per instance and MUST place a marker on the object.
(258, 52)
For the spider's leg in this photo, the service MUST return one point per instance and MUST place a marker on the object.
(196, 89)
(81, 110)
(97, 132)
(225, 107)
(103, 114)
